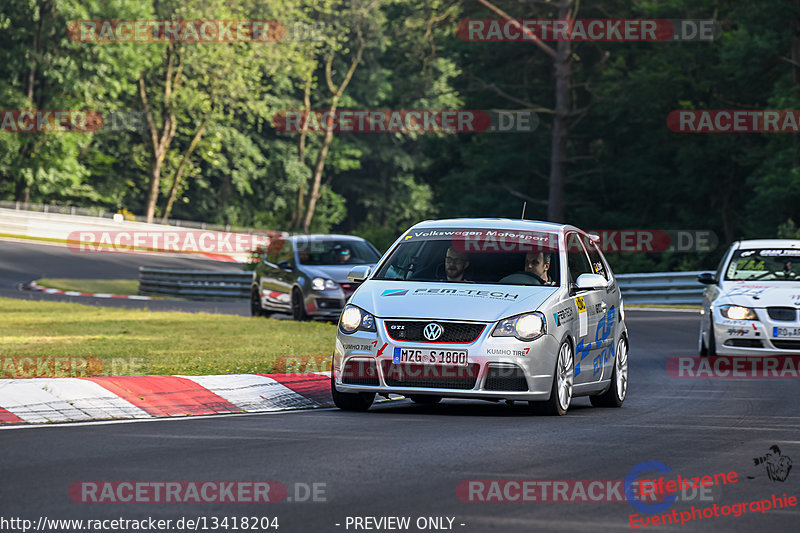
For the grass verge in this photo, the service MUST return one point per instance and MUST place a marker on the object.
(109, 286)
(45, 339)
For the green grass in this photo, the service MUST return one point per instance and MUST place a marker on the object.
(107, 341)
(110, 286)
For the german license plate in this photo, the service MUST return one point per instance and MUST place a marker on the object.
(785, 332)
(427, 356)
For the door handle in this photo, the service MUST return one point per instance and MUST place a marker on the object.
(603, 306)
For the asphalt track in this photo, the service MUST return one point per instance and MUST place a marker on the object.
(21, 262)
(400, 459)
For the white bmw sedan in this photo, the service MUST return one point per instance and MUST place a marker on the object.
(751, 304)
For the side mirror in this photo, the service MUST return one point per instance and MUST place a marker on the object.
(359, 273)
(285, 265)
(590, 282)
(707, 278)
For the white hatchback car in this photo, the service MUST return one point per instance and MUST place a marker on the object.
(752, 303)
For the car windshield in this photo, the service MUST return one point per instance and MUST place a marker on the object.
(335, 252)
(774, 264)
(475, 256)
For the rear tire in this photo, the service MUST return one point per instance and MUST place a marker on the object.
(255, 304)
(349, 401)
(425, 400)
(298, 306)
(561, 391)
(615, 394)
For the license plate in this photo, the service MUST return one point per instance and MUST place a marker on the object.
(430, 357)
(785, 332)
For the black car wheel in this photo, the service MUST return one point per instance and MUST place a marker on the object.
(298, 306)
(255, 304)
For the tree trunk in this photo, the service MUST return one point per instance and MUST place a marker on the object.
(297, 215)
(316, 181)
(160, 143)
(179, 172)
(558, 150)
(323, 153)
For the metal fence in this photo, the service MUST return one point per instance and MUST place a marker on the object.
(101, 212)
(195, 284)
(679, 288)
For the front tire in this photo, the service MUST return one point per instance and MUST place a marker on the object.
(709, 350)
(349, 401)
(255, 304)
(561, 391)
(615, 394)
(298, 306)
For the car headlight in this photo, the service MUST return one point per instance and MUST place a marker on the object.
(737, 312)
(354, 318)
(321, 284)
(524, 327)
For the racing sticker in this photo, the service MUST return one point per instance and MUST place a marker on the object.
(583, 316)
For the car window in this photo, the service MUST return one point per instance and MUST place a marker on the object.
(597, 263)
(577, 261)
(280, 250)
(764, 265)
(335, 252)
(475, 256)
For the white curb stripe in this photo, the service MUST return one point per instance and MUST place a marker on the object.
(63, 400)
(253, 393)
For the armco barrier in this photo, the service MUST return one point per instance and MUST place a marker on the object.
(656, 288)
(194, 284)
(680, 288)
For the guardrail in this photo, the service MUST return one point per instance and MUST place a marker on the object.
(195, 284)
(680, 288)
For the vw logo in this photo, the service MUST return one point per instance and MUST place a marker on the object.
(432, 331)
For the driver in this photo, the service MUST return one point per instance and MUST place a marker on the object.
(455, 263)
(537, 264)
(341, 255)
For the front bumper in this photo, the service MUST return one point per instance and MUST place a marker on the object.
(326, 304)
(528, 363)
(753, 337)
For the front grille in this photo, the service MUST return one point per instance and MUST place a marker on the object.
(785, 314)
(360, 372)
(744, 343)
(786, 345)
(506, 377)
(433, 376)
(408, 330)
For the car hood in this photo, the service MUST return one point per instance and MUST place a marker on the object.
(458, 301)
(337, 273)
(761, 294)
